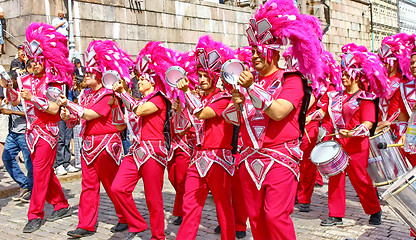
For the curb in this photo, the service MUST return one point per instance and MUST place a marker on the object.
(14, 189)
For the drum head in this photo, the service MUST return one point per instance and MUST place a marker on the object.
(231, 70)
(174, 74)
(53, 93)
(325, 151)
(109, 78)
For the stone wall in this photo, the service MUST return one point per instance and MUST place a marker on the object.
(349, 22)
(179, 24)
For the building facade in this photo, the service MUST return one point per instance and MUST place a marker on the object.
(407, 16)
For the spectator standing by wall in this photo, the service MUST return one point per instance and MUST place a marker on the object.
(16, 142)
(63, 154)
(18, 64)
(61, 24)
(2, 27)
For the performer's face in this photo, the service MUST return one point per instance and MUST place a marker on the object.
(39, 68)
(144, 84)
(260, 63)
(391, 69)
(347, 81)
(413, 65)
(205, 81)
(91, 80)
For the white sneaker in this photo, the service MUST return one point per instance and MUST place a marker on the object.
(71, 169)
(60, 171)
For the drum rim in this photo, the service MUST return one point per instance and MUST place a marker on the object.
(115, 73)
(172, 68)
(52, 88)
(397, 185)
(226, 64)
(340, 149)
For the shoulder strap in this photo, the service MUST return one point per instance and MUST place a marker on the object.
(166, 126)
(307, 91)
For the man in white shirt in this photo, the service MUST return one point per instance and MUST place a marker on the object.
(61, 24)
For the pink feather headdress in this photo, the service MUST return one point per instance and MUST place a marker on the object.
(369, 69)
(351, 47)
(210, 55)
(152, 63)
(102, 56)
(332, 71)
(279, 22)
(44, 44)
(397, 48)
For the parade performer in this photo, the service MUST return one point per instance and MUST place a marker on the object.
(273, 101)
(212, 164)
(149, 121)
(308, 171)
(395, 53)
(352, 113)
(49, 51)
(183, 136)
(101, 124)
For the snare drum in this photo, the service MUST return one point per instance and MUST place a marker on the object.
(401, 197)
(385, 165)
(329, 158)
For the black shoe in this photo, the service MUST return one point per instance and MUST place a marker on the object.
(32, 225)
(26, 197)
(375, 219)
(119, 227)
(23, 192)
(318, 185)
(79, 233)
(217, 230)
(178, 221)
(129, 235)
(304, 207)
(240, 234)
(331, 221)
(61, 213)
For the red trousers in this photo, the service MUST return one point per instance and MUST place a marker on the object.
(319, 179)
(123, 186)
(307, 169)
(103, 169)
(177, 169)
(360, 180)
(270, 207)
(239, 206)
(46, 185)
(218, 180)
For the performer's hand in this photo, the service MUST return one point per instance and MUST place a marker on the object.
(307, 120)
(6, 111)
(113, 101)
(238, 98)
(246, 79)
(345, 133)
(3, 84)
(26, 95)
(177, 106)
(64, 114)
(402, 139)
(183, 84)
(118, 87)
(62, 100)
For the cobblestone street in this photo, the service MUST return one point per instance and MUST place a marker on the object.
(13, 218)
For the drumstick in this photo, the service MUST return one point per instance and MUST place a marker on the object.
(333, 134)
(306, 133)
(384, 145)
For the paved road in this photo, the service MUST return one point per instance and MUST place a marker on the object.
(13, 218)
